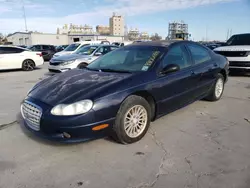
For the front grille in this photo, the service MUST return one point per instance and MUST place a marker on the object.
(32, 115)
(232, 54)
(55, 63)
(239, 63)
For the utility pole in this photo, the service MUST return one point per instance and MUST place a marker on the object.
(24, 16)
(206, 33)
(227, 34)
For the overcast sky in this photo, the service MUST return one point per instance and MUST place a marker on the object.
(213, 16)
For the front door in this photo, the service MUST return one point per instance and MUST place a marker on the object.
(174, 90)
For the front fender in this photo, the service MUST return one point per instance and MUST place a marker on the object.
(108, 106)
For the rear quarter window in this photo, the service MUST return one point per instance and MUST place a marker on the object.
(199, 53)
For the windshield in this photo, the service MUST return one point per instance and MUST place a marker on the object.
(130, 59)
(86, 50)
(239, 40)
(72, 47)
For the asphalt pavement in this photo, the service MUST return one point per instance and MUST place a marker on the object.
(204, 145)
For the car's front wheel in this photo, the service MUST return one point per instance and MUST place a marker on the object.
(82, 65)
(217, 89)
(132, 120)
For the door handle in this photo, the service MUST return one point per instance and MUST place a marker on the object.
(215, 65)
(193, 73)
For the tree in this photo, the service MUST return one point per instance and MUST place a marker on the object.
(155, 37)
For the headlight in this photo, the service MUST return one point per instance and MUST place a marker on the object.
(76, 108)
(68, 62)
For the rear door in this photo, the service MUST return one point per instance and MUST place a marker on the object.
(205, 68)
(175, 90)
(46, 52)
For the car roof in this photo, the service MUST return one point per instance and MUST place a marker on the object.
(241, 34)
(100, 45)
(12, 46)
(163, 43)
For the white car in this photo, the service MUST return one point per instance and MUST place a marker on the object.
(237, 52)
(72, 48)
(80, 59)
(12, 57)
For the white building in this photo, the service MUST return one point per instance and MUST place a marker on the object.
(133, 34)
(22, 38)
(30, 38)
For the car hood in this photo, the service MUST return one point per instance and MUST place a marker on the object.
(63, 53)
(68, 57)
(233, 48)
(74, 85)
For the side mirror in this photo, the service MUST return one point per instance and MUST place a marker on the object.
(98, 54)
(170, 68)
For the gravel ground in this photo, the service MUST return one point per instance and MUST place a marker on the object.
(202, 145)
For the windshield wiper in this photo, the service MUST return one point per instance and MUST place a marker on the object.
(90, 69)
(112, 70)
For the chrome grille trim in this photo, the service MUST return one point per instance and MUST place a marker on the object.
(32, 114)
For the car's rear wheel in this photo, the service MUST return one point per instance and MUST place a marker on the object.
(217, 89)
(82, 65)
(132, 120)
(28, 65)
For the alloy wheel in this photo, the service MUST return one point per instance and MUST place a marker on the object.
(135, 121)
(219, 87)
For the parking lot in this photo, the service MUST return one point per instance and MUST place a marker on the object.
(202, 145)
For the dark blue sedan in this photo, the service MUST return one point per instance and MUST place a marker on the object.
(120, 93)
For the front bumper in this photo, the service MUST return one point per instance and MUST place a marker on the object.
(239, 63)
(62, 68)
(78, 127)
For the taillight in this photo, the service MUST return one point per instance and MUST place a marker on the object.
(40, 54)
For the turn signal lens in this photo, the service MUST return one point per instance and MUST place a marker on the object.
(100, 127)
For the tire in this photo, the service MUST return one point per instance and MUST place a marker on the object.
(82, 65)
(28, 65)
(136, 127)
(217, 87)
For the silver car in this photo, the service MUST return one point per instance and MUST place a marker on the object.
(81, 58)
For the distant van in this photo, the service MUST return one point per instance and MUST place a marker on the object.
(75, 46)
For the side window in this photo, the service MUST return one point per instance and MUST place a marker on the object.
(100, 50)
(106, 49)
(3, 50)
(178, 56)
(10, 50)
(199, 54)
(15, 50)
(36, 48)
(46, 47)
